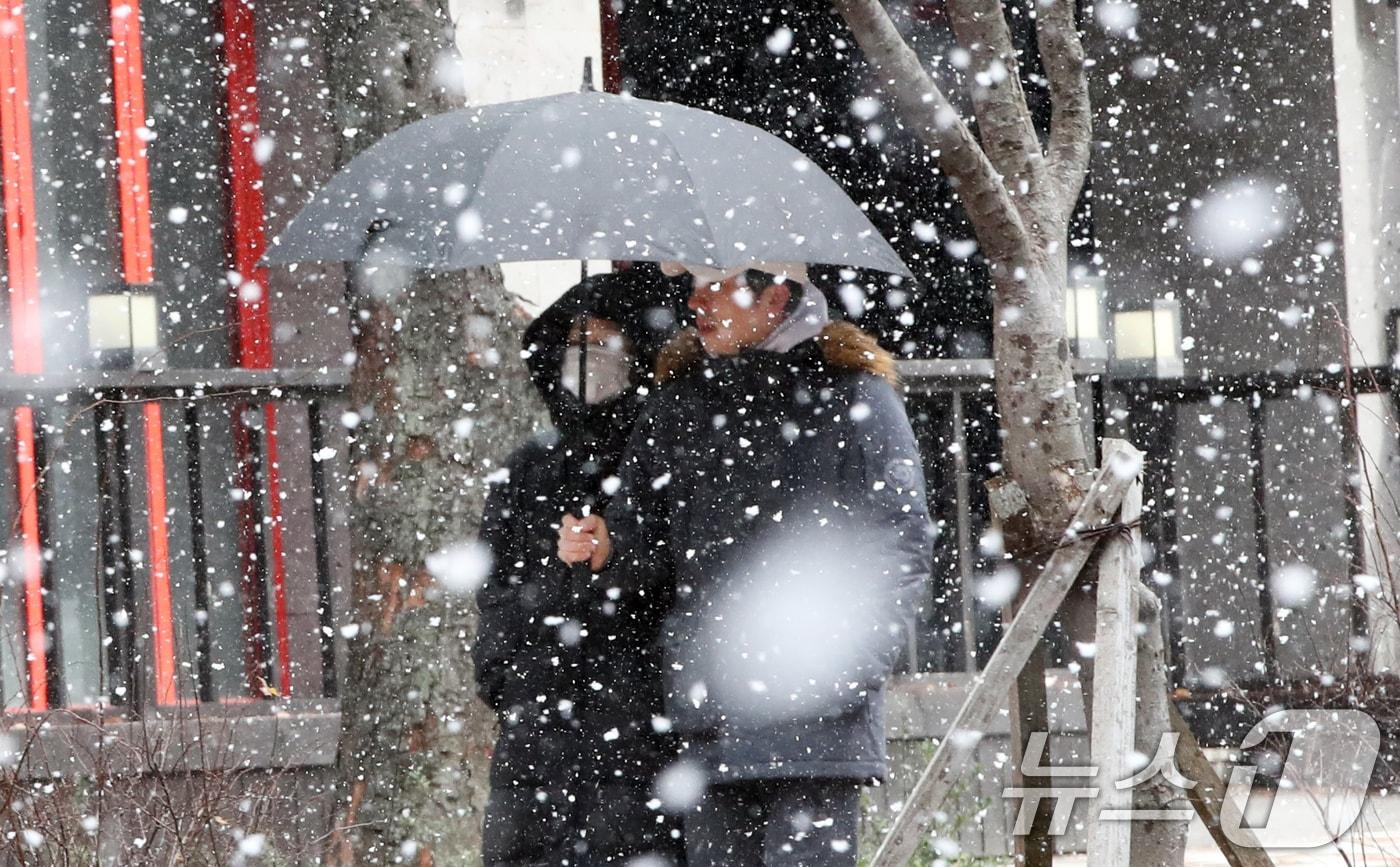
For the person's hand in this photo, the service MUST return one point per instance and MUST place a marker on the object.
(584, 540)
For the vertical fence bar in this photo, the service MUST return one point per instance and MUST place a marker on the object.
(276, 565)
(1262, 560)
(1392, 350)
(114, 526)
(199, 554)
(962, 486)
(54, 686)
(257, 643)
(1357, 652)
(325, 601)
(1099, 406)
(1162, 466)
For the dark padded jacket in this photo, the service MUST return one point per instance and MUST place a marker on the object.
(573, 765)
(775, 503)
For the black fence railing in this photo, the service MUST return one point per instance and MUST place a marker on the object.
(952, 408)
(173, 537)
(236, 602)
(1248, 489)
(1252, 481)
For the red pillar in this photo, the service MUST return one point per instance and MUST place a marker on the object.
(611, 44)
(21, 257)
(252, 304)
(128, 78)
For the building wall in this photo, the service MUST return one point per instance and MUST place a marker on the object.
(1368, 134)
(1216, 175)
(1224, 179)
(1368, 109)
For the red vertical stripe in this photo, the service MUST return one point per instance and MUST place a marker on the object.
(36, 645)
(21, 252)
(138, 268)
(162, 615)
(252, 303)
(611, 36)
(21, 257)
(132, 178)
(246, 189)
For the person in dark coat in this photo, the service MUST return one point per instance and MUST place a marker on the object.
(573, 766)
(773, 492)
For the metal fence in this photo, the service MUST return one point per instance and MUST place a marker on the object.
(1268, 457)
(242, 607)
(171, 537)
(952, 408)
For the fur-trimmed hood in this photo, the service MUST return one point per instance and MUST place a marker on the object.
(843, 345)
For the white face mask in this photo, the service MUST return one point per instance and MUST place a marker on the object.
(609, 372)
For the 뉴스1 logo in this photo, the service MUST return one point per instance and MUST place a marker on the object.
(1323, 780)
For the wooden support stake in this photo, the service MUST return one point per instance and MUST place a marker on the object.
(1122, 463)
(1115, 687)
(1030, 714)
(1208, 797)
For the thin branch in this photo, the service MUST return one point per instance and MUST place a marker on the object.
(1062, 54)
(1003, 120)
(1000, 231)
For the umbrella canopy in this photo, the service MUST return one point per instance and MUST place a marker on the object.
(583, 176)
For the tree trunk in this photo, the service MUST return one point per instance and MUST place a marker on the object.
(1019, 199)
(441, 397)
(1043, 449)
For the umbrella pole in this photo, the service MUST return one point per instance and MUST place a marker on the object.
(586, 87)
(583, 572)
(583, 345)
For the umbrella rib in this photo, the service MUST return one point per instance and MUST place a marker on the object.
(695, 192)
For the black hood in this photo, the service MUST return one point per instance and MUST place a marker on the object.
(645, 305)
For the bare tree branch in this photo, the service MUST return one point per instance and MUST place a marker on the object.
(1062, 53)
(1003, 121)
(989, 205)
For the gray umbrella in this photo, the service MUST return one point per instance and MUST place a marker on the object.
(583, 176)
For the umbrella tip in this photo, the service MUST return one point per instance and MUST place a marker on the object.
(587, 76)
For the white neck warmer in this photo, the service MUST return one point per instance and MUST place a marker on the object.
(803, 323)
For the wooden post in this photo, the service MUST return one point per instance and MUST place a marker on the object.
(1026, 702)
(1030, 714)
(1208, 796)
(1122, 464)
(1115, 686)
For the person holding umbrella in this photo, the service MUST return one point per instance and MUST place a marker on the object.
(772, 494)
(773, 418)
(573, 765)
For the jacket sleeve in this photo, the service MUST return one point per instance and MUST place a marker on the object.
(893, 499)
(638, 519)
(501, 623)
